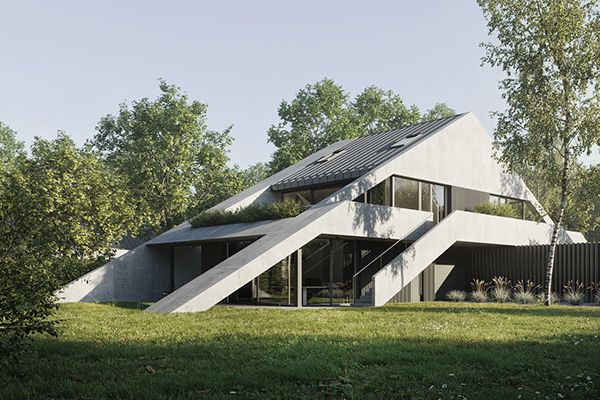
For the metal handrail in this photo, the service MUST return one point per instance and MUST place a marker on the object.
(377, 258)
(382, 254)
(322, 259)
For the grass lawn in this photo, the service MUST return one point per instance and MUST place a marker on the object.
(411, 351)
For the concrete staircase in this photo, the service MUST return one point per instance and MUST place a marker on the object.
(341, 219)
(365, 299)
(460, 226)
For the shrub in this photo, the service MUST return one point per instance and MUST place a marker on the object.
(502, 210)
(596, 292)
(574, 292)
(251, 213)
(554, 299)
(456, 295)
(525, 292)
(26, 299)
(501, 289)
(479, 293)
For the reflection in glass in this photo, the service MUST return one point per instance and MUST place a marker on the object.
(426, 196)
(327, 269)
(380, 194)
(277, 285)
(320, 194)
(406, 193)
(438, 203)
(302, 195)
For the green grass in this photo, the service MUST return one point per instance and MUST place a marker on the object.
(412, 351)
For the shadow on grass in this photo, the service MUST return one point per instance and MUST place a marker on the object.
(509, 309)
(130, 306)
(306, 366)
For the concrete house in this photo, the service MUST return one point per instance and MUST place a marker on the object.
(389, 219)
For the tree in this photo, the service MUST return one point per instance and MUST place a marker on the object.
(550, 51)
(254, 174)
(439, 110)
(380, 111)
(26, 279)
(318, 116)
(582, 212)
(60, 209)
(166, 153)
(323, 113)
(10, 147)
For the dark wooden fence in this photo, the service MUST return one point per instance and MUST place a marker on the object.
(574, 262)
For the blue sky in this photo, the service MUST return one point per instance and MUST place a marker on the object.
(65, 64)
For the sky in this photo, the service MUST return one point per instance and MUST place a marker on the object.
(66, 64)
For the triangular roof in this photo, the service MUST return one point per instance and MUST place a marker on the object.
(361, 155)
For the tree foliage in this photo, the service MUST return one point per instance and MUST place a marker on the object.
(323, 113)
(377, 110)
(439, 110)
(10, 147)
(166, 153)
(582, 212)
(60, 209)
(550, 52)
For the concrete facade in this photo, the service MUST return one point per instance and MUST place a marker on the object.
(459, 155)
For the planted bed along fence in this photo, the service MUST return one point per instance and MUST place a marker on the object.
(574, 262)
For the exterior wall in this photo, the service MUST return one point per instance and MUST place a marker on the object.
(410, 294)
(141, 275)
(576, 262)
(442, 158)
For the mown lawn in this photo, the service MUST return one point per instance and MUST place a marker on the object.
(412, 351)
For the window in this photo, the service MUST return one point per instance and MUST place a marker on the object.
(320, 194)
(310, 196)
(303, 195)
(438, 203)
(416, 195)
(406, 193)
(380, 194)
(518, 205)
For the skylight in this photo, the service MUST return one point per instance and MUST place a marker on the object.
(405, 140)
(331, 156)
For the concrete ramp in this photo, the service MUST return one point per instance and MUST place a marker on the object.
(459, 226)
(345, 218)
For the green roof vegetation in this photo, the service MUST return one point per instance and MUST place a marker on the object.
(251, 213)
(409, 351)
(510, 210)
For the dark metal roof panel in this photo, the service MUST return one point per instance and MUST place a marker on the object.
(361, 155)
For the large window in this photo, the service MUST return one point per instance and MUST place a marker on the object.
(380, 194)
(327, 270)
(409, 193)
(418, 195)
(406, 193)
(311, 196)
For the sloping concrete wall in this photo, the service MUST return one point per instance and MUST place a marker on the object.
(460, 155)
(342, 219)
(140, 275)
(463, 227)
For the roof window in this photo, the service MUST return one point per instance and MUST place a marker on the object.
(331, 156)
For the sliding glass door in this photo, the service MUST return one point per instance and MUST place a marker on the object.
(327, 269)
